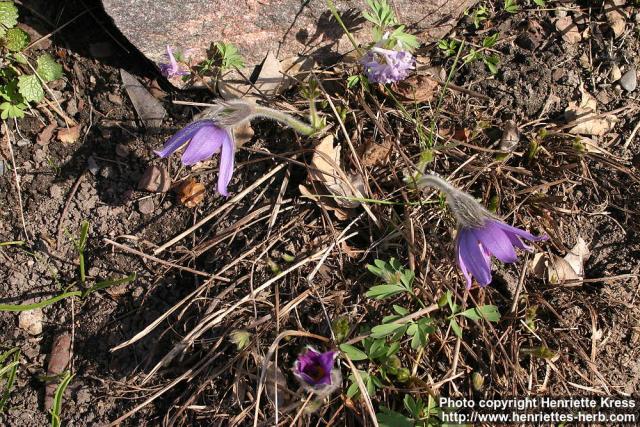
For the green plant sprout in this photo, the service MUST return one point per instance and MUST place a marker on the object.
(491, 61)
(489, 313)
(448, 47)
(221, 57)
(56, 408)
(8, 372)
(540, 3)
(479, 15)
(386, 29)
(511, 6)
(20, 82)
(80, 245)
(421, 414)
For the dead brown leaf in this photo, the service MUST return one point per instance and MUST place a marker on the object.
(614, 11)
(190, 193)
(69, 135)
(417, 88)
(569, 30)
(377, 154)
(46, 134)
(587, 120)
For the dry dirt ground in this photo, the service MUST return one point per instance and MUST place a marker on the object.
(190, 296)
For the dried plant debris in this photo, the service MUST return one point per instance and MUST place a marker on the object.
(616, 16)
(325, 173)
(69, 135)
(190, 193)
(58, 361)
(557, 270)
(585, 118)
(149, 109)
(417, 88)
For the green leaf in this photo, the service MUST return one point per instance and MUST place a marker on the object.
(229, 56)
(540, 3)
(487, 312)
(378, 349)
(456, 328)
(12, 111)
(352, 81)
(16, 39)
(492, 63)
(10, 374)
(48, 69)
(381, 331)
(490, 41)
(56, 408)
(400, 310)
(352, 352)
(389, 418)
(8, 16)
(20, 58)
(384, 291)
(30, 88)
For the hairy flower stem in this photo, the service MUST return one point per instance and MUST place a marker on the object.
(295, 124)
(468, 212)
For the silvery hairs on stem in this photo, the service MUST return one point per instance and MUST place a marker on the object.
(236, 112)
(467, 211)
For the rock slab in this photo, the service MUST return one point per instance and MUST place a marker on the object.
(286, 27)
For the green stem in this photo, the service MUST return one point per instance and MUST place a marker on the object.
(334, 12)
(286, 119)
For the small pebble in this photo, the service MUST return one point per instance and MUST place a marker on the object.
(615, 73)
(23, 142)
(3, 167)
(93, 166)
(145, 206)
(72, 107)
(629, 80)
(155, 179)
(122, 150)
(115, 98)
(31, 321)
(55, 191)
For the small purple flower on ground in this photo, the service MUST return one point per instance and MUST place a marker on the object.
(204, 139)
(172, 68)
(480, 234)
(387, 66)
(476, 245)
(316, 372)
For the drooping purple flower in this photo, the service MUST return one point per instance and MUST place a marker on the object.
(476, 245)
(387, 66)
(172, 68)
(316, 372)
(480, 234)
(204, 139)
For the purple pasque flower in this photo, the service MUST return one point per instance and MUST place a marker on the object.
(480, 234)
(316, 372)
(172, 68)
(387, 66)
(476, 244)
(204, 139)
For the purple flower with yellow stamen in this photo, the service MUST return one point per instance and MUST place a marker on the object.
(172, 68)
(316, 372)
(480, 234)
(387, 66)
(204, 139)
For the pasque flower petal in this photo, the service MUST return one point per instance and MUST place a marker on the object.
(461, 264)
(496, 242)
(473, 256)
(226, 163)
(204, 144)
(181, 137)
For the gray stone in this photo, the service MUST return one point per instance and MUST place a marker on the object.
(629, 80)
(146, 206)
(256, 27)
